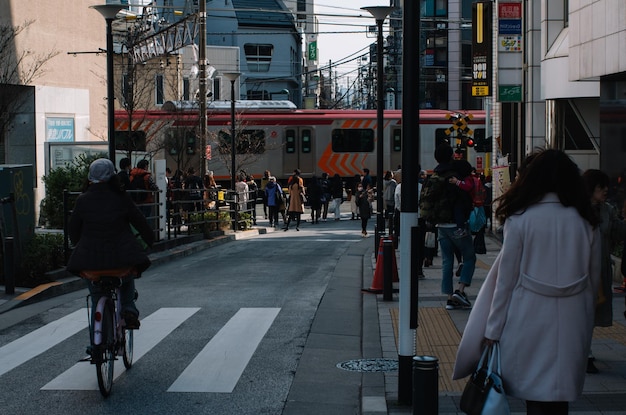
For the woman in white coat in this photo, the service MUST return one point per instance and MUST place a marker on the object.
(538, 299)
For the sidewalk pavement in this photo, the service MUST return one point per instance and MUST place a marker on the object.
(347, 364)
(439, 332)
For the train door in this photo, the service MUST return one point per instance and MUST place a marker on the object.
(395, 150)
(299, 151)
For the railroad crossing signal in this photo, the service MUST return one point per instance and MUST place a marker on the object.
(463, 132)
(460, 124)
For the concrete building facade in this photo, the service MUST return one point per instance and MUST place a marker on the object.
(575, 82)
(65, 100)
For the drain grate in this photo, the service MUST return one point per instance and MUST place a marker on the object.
(369, 365)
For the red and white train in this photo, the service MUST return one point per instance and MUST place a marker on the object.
(315, 141)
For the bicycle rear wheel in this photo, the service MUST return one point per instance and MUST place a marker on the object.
(105, 352)
(127, 348)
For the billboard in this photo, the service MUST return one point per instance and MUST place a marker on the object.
(481, 49)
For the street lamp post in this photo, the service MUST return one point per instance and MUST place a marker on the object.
(379, 13)
(232, 77)
(109, 11)
(202, 61)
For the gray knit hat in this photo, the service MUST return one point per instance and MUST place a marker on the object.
(101, 170)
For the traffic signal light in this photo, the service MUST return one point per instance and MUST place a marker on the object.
(468, 142)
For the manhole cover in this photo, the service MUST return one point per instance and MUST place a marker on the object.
(369, 365)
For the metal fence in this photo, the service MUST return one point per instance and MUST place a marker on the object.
(215, 212)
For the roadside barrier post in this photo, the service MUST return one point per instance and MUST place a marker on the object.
(388, 269)
(425, 385)
(9, 266)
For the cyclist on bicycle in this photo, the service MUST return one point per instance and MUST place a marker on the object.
(100, 229)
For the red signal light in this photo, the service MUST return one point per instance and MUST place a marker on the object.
(469, 142)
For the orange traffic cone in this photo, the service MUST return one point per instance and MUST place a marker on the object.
(377, 281)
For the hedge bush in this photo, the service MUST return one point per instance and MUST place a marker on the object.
(72, 177)
(43, 253)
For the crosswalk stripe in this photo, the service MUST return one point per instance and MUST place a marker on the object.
(40, 340)
(218, 367)
(154, 328)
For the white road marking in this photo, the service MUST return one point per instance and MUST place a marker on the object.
(154, 328)
(40, 340)
(218, 367)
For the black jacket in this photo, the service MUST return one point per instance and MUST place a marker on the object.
(100, 230)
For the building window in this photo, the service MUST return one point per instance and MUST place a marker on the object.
(186, 92)
(433, 8)
(217, 92)
(301, 7)
(258, 95)
(159, 90)
(258, 57)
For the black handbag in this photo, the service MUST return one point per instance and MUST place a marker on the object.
(483, 393)
(479, 243)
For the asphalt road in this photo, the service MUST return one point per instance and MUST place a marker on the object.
(222, 332)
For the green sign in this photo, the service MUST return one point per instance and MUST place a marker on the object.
(510, 93)
(312, 53)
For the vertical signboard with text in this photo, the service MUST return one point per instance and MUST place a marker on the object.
(510, 55)
(311, 53)
(481, 49)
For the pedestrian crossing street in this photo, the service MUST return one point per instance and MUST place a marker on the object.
(227, 354)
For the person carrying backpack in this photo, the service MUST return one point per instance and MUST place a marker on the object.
(140, 181)
(437, 202)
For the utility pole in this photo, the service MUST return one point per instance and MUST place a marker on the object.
(408, 296)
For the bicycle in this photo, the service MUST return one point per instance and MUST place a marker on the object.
(109, 336)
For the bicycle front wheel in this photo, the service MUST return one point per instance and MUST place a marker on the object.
(105, 352)
(127, 348)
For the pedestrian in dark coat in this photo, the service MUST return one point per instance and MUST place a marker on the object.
(314, 197)
(612, 231)
(100, 229)
(363, 204)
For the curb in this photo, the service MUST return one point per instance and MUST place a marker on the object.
(66, 283)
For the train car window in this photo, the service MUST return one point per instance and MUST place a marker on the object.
(248, 142)
(130, 141)
(397, 140)
(353, 140)
(306, 141)
(441, 137)
(290, 141)
(251, 142)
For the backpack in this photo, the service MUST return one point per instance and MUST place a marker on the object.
(138, 183)
(438, 199)
(479, 193)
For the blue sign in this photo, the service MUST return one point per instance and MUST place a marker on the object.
(59, 129)
(510, 26)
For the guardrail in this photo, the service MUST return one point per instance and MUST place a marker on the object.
(216, 212)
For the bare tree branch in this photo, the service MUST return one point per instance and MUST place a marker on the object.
(17, 69)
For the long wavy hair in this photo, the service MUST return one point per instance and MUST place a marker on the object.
(546, 171)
